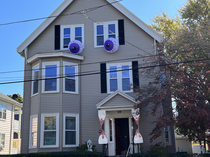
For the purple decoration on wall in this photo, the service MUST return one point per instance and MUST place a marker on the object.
(111, 45)
(75, 47)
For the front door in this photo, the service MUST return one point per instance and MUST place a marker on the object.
(121, 135)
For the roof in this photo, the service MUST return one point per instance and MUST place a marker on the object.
(9, 100)
(66, 3)
(117, 92)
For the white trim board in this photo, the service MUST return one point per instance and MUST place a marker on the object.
(65, 4)
(54, 54)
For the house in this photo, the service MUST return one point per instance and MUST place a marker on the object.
(183, 144)
(9, 125)
(69, 88)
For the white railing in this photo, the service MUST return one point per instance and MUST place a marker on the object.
(16, 125)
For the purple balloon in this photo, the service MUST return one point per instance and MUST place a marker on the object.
(108, 45)
(74, 48)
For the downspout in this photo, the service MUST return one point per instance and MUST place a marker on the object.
(26, 52)
(80, 102)
(11, 130)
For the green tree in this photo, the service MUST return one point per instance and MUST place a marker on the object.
(18, 99)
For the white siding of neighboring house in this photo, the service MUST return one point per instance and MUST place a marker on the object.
(5, 127)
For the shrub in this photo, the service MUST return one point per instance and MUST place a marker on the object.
(159, 148)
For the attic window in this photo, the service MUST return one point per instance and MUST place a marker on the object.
(105, 30)
(70, 33)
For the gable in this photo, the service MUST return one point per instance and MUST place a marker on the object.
(104, 11)
(118, 101)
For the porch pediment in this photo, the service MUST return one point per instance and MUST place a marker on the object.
(118, 99)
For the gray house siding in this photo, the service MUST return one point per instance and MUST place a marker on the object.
(89, 85)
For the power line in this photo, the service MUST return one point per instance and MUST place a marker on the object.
(116, 60)
(76, 12)
(96, 73)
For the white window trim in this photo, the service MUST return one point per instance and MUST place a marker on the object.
(30, 134)
(32, 82)
(169, 136)
(77, 128)
(1, 110)
(42, 130)
(106, 34)
(76, 77)
(43, 76)
(119, 76)
(4, 139)
(72, 33)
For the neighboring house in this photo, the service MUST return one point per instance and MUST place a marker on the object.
(61, 103)
(183, 144)
(8, 125)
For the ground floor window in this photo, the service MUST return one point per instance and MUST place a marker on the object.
(71, 130)
(49, 130)
(2, 140)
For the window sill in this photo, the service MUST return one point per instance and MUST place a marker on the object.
(56, 146)
(32, 147)
(50, 92)
(98, 46)
(35, 94)
(66, 92)
(120, 90)
(69, 146)
(1, 119)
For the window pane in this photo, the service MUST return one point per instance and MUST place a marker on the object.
(0, 114)
(100, 40)
(70, 85)
(111, 29)
(70, 137)
(4, 108)
(50, 84)
(112, 36)
(70, 71)
(66, 32)
(34, 139)
(50, 138)
(79, 38)
(66, 42)
(35, 88)
(3, 137)
(36, 74)
(50, 123)
(113, 72)
(4, 115)
(125, 71)
(100, 30)
(0, 107)
(34, 125)
(51, 71)
(3, 143)
(113, 84)
(126, 84)
(70, 123)
(78, 31)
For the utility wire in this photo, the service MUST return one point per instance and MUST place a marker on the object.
(96, 73)
(74, 13)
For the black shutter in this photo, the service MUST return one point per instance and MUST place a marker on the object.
(135, 74)
(121, 32)
(57, 37)
(103, 78)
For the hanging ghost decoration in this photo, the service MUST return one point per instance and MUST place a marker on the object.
(138, 138)
(102, 138)
(136, 115)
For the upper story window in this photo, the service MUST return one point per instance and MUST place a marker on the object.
(70, 80)
(119, 76)
(35, 79)
(71, 130)
(49, 130)
(2, 140)
(33, 132)
(3, 111)
(70, 33)
(103, 31)
(50, 72)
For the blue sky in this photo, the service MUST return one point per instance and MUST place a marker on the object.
(11, 36)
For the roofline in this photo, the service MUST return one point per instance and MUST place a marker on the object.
(137, 20)
(65, 4)
(13, 102)
(54, 54)
(43, 26)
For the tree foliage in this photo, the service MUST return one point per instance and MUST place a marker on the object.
(185, 55)
(18, 99)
